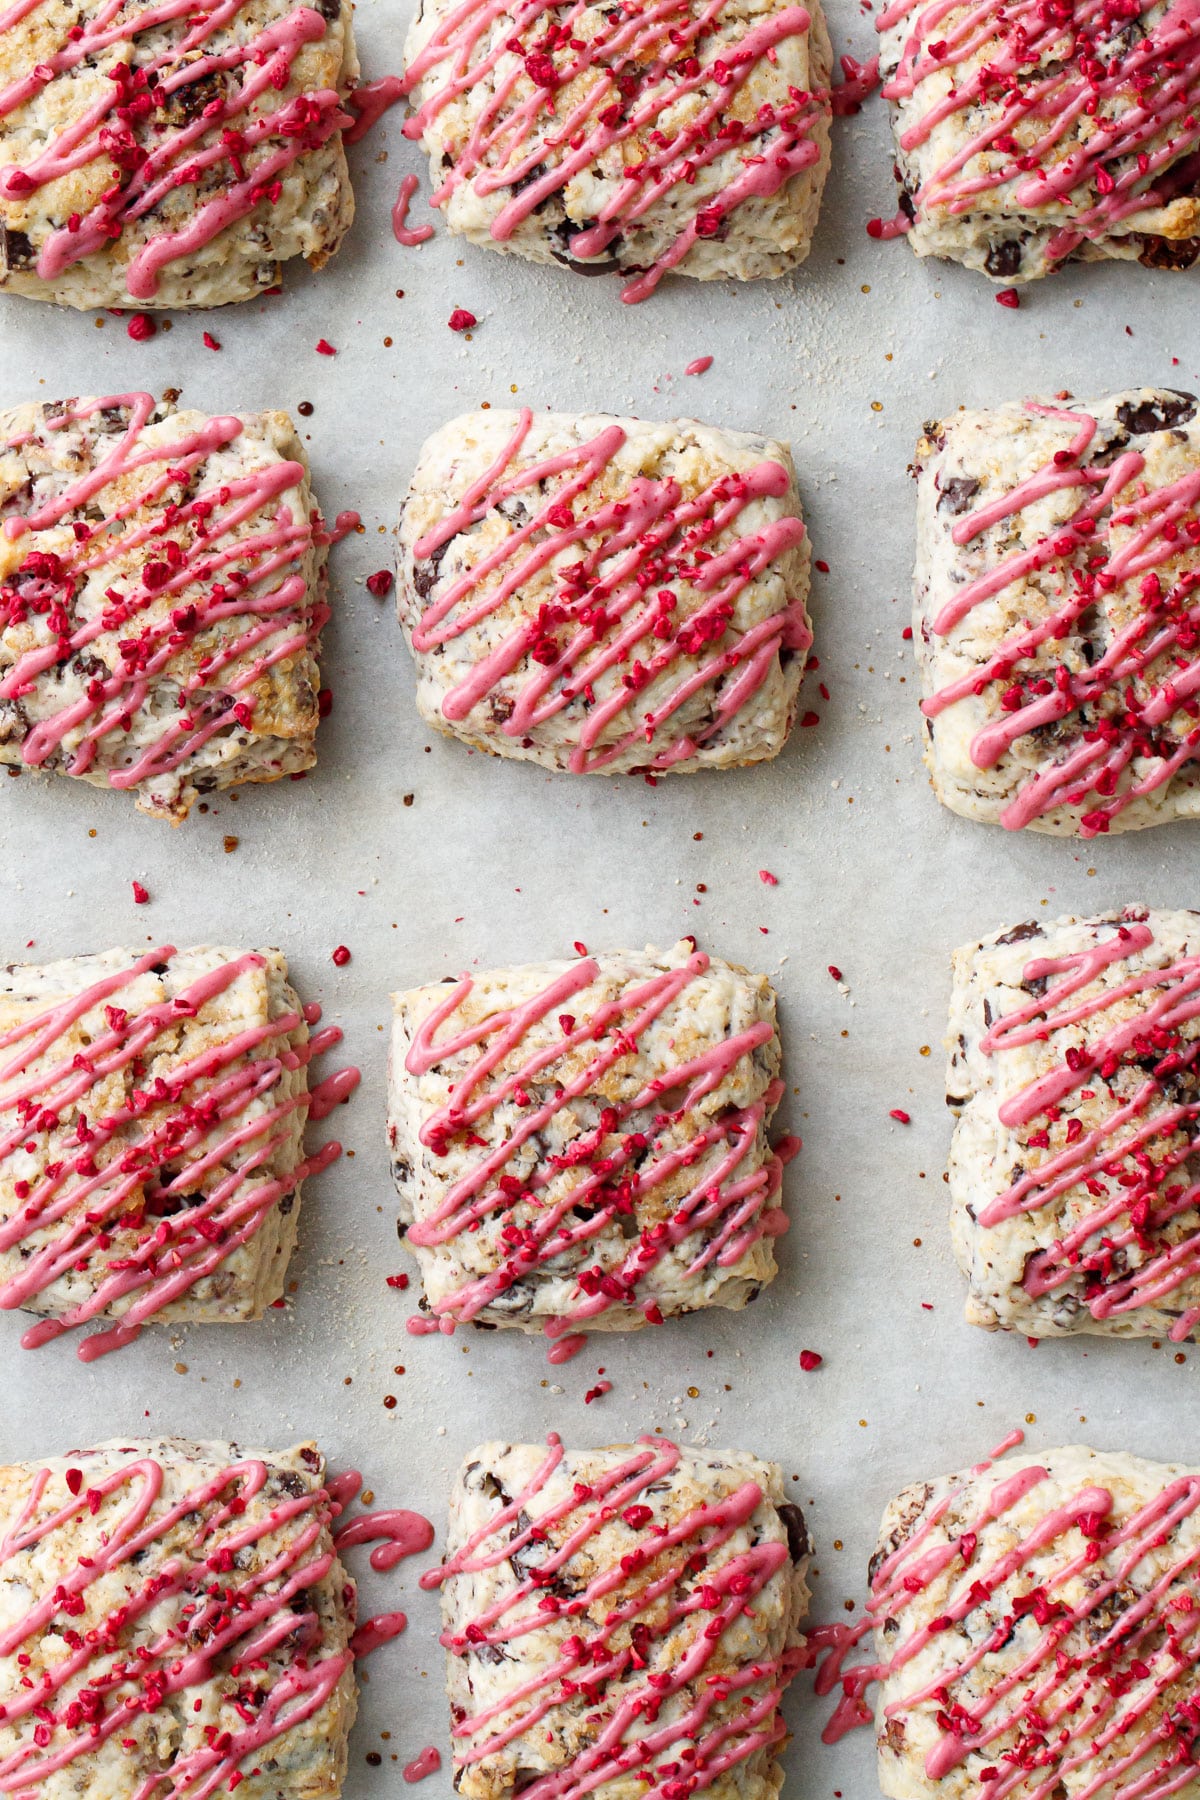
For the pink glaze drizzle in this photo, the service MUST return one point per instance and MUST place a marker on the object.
(1132, 1245)
(368, 103)
(228, 1623)
(1084, 1686)
(1045, 70)
(428, 1762)
(146, 1209)
(408, 235)
(625, 1158)
(640, 62)
(1120, 534)
(690, 1749)
(616, 606)
(235, 152)
(198, 554)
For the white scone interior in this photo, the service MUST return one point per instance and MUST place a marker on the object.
(584, 1145)
(606, 595)
(684, 138)
(1024, 141)
(618, 1618)
(153, 1107)
(1074, 1077)
(174, 1618)
(151, 161)
(1035, 1625)
(162, 595)
(1057, 611)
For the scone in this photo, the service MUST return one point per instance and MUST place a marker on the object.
(152, 157)
(604, 595)
(152, 1111)
(584, 1145)
(1057, 611)
(1035, 1627)
(162, 594)
(620, 1621)
(1024, 140)
(684, 136)
(173, 1620)
(1074, 1077)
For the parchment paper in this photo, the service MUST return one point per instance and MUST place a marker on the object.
(496, 863)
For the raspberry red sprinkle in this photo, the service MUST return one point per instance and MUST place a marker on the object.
(462, 320)
(210, 342)
(74, 1480)
(380, 583)
(898, 1113)
(595, 1393)
(823, 566)
(341, 956)
(906, 634)
(811, 718)
(766, 876)
(140, 894)
(835, 971)
(397, 1281)
(580, 949)
(810, 1360)
(141, 327)
(325, 348)
(1008, 297)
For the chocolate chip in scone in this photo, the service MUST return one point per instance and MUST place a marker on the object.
(1172, 408)
(956, 494)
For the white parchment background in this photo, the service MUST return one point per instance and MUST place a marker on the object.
(496, 863)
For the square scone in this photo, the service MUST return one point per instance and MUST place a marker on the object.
(604, 595)
(174, 1620)
(1025, 141)
(683, 137)
(583, 1145)
(1057, 611)
(152, 1106)
(620, 1621)
(162, 594)
(154, 158)
(1035, 1623)
(1074, 1077)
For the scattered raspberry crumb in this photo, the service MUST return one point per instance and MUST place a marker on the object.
(462, 320)
(1008, 297)
(652, 1314)
(580, 949)
(210, 342)
(341, 956)
(397, 1281)
(811, 718)
(1033, 1342)
(835, 971)
(324, 703)
(766, 876)
(594, 1393)
(810, 1360)
(141, 327)
(140, 894)
(927, 1306)
(279, 1304)
(325, 348)
(823, 566)
(906, 633)
(898, 1113)
(381, 583)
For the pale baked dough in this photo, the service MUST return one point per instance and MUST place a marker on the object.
(687, 212)
(149, 525)
(618, 1141)
(495, 1502)
(140, 136)
(180, 1662)
(1097, 1234)
(1131, 1602)
(646, 681)
(1015, 194)
(118, 1168)
(1145, 441)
